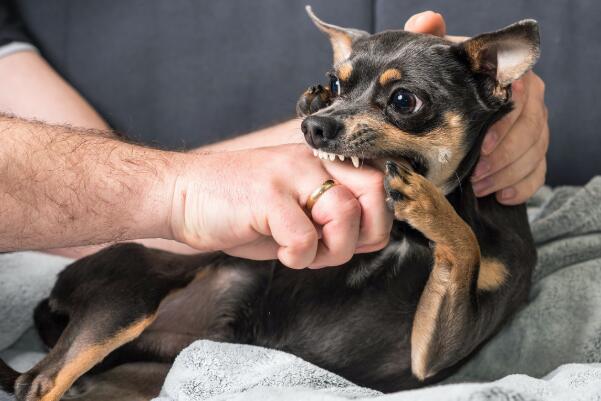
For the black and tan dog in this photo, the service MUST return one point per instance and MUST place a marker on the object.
(455, 269)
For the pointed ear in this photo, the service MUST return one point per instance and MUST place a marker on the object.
(504, 55)
(342, 39)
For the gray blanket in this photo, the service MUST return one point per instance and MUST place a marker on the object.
(533, 358)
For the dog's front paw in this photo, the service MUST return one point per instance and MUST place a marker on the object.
(314, 99)
(33, 387)
(412, 198)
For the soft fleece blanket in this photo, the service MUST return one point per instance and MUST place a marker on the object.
(547, 352)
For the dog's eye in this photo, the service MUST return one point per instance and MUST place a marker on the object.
(405, 102)
(334, 85)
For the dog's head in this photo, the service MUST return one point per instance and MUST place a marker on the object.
(418, 98)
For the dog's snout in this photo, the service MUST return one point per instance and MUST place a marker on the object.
(318, 130)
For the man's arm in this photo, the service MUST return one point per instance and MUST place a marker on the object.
(63, 186)
(31, 89)
(280, 134)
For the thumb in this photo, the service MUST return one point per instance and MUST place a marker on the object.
(427, 22)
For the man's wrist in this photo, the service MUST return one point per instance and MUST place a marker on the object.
(152, 213)
(190, 180)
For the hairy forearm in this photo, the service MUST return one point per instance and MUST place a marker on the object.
(30, 88)
(62, 186)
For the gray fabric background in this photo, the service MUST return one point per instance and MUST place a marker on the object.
(182, 73)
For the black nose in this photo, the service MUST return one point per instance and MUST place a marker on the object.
(319, 130)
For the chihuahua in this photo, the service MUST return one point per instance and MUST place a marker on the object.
(416, 106)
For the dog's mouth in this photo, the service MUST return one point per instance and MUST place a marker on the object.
(409, 159)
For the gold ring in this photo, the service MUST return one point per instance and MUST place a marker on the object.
(318, 192)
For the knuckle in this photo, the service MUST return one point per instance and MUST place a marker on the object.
(342, 258)
(304, 240)
(502, 158)
(337, 257)
(377, 241)
(532, 119)
(349, 208)
(293, 263)
(380, 244)
(520, 197)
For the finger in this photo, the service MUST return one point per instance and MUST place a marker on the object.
(496, 133)
(514, 172)
(294, 232)
(339, 214)
(367, 184)
(427, 22)
(521, 137)
(523, 190)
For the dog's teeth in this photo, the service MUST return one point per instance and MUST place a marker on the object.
(341, 158)
(315, 153)
(331, 156)
(355, 161)
(320, 155)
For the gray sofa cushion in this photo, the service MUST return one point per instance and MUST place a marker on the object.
(179, 73)
(184, 73)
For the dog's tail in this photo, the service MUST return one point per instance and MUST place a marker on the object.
(8, 377)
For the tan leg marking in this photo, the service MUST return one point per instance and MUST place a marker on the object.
(92, 355)
(492, 274)
(456, 258)
(391, 74)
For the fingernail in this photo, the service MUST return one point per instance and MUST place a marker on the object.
(420, 18)
(481, 187)
(490, 141)
(508, 193)
(409, 23)
(481, 169)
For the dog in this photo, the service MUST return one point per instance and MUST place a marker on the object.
(416, 106)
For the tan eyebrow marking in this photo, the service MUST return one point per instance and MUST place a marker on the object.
(345, 71)
(389, 75)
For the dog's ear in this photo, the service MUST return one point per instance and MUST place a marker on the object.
(504, 55)
(342, 39)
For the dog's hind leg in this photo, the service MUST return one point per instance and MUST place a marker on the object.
(49, 324)
(110, 298)
(467, 294)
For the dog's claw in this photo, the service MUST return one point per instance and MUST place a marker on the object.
(315, 98)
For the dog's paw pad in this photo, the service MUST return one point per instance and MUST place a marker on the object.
(315, 98)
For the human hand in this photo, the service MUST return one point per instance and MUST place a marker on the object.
(251, 204)
(513, 157)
